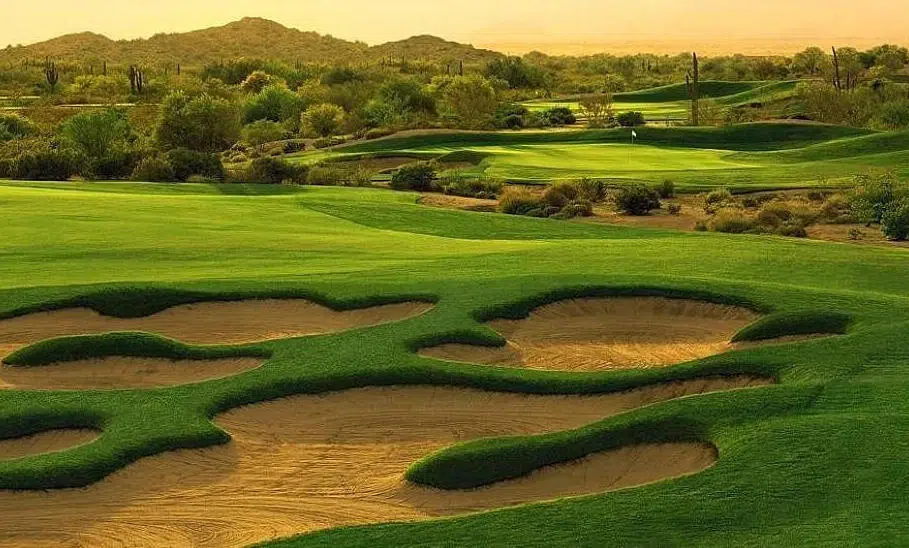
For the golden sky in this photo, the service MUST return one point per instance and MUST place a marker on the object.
(510, 24)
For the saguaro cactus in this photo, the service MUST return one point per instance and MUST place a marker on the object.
(136, 79)
(693, 81)
(51, 74)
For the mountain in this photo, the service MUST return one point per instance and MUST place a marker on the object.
(432, 48)
(250, 37)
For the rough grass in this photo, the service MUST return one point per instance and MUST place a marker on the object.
(802, 322)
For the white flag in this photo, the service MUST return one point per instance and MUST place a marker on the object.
(634, 134)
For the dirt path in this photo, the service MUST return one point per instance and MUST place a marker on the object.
(206, 323)
(608, 333)
(111, 373)
(313, 462)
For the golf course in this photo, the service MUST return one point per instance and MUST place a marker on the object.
(335, 362)
(269, 287)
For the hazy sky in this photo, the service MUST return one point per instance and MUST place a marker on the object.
(482, 22)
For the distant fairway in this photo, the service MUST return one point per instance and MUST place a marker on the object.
(742, 157)
(670, 103)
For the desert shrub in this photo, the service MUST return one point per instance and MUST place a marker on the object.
(560, 194)
(456, 184)
(666, 189)
(560, 116)
(893, 115)
(154, 169)
(630, 119)
(290, 147)
(716, 199)
(13, 126)
(750, 202)
(774, 214)
(873, 194)
(7, 165)
(326, 142)
(577, 208)
(203, 180)
(187, 163)
(674, 209)
(895, 221)
(47, 165)
(701, 226)
(261, 132)
(591, 190)
(117, 164)
(731, 221)
(417, 176)
(637, 200)
(274, 171)
(322, 120)
(325, 175)
(512, 121)
(793, 229)
(836, 210)
(519, 201)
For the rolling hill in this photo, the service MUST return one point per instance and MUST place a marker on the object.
(249, 37)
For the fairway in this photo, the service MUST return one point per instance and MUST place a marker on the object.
(742, 157)
(699, 441)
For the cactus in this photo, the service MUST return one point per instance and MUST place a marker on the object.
(694, 90)
(51, 74)
(136, 79)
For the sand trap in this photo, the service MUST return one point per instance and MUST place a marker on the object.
(313, 462)
(118, 372)
(206, 323)
(45, 442)
(608, 333)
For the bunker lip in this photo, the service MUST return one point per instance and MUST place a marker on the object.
(122, 373)
(312, 462)
(608, 333)
(49, 441)
(223, 322)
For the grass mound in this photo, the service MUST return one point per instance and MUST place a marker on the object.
(786, 324)
(127, 344)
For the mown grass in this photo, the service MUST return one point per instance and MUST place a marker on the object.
(744, 157)
(816, 459)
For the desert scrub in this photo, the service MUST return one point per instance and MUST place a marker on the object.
(458, 184)
(419, 176)
(717, 199)
(520, 201)
(637, 200)
(732, 221)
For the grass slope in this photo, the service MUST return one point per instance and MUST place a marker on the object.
(817, 459)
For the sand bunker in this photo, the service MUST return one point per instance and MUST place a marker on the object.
(45, 442)
(313, 462)
(118, 372)
(608, 333)
(206, 323)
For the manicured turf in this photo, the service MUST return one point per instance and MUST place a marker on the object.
(818, 459)
(671, 103)
(743, 157)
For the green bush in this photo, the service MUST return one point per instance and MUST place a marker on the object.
(666, 189)
(716, 199)
(895, 221)
(630, 119)
(560, 116)
(325, 175)
(894, 115)
(117, 164)
(274, 171)
(154, 169)
(872, 195)
(577, 208)
(418, 176)
(519, 201)
(637, 200)
(48, 165)
(187, 163)
(482, 187)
